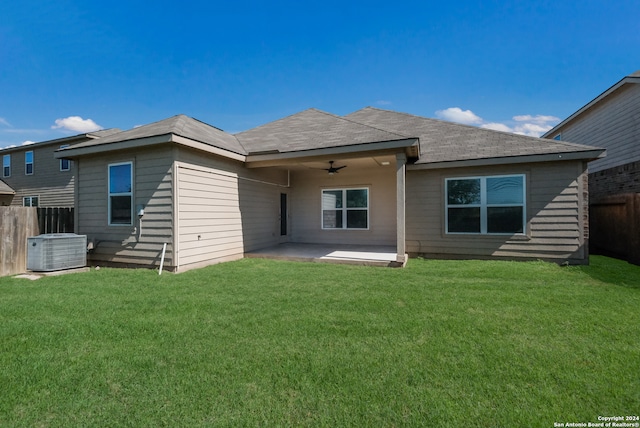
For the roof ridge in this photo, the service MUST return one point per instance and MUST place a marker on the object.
(375, 127)
(278, 120)
(183, 119)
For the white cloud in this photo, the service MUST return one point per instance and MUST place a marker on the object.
(532, 129)
(525, 124)
(76, 123)
(4, 122)
(456, 114)
(496, 127)
(26, 143)
(383, 103)
(539, 119)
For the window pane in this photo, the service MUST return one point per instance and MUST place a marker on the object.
(504, 190)
(463, 192)
(504, 220)
(28, 168)
(332, 219)
(28, 157)
(464, 220)
(6, 160)
(120, 178)
(357, 198)
(357, 219)
(331, 199)
(120, 209)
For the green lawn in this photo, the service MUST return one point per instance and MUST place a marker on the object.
(266, 343)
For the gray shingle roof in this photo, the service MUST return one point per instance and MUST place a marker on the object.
(312, 129)
(180, 125)
(442, 141)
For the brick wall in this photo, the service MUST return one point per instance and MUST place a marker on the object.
(615, 181)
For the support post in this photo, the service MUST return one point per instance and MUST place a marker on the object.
(401, 248)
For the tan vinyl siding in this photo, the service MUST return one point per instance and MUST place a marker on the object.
(139, 244)
(260, 208)
(555, 215)
(209, 223)
(306, 213)
(54, 188)
(613, 124)
(224, 209)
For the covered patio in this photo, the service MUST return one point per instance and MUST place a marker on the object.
(363, 255)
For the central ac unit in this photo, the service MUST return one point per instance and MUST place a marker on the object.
(56, 251)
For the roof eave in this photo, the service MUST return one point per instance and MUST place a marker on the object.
(587, 155)
(72, 153)
(259, 160)
(627, 79)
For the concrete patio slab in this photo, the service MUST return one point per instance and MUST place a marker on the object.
(367, 255)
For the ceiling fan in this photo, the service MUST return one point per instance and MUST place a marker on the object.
(333, 169)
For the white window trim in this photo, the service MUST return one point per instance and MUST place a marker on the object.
(68, 161)
(8, 156)
(345, 209)
(483, 205)
(33, 160)
(109, 194)
(30, 200)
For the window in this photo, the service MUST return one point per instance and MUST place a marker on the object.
(30, 201)
(6, 166)
(65, 164)
(486, 205)
(28, 163)
(120, 194)
(345, 209)
(558, 137)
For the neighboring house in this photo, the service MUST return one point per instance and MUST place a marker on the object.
(611, 120)
(32, 176)
(424, 186)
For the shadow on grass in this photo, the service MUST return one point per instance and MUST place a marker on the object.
(613, 271)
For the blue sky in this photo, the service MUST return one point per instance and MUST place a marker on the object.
(71, 66)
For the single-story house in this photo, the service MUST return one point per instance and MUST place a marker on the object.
(373, 177)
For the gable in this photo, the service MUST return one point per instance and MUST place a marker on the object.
(633, 78)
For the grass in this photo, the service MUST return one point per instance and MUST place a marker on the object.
(266, 343)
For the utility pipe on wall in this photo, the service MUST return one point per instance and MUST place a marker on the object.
(164, 249)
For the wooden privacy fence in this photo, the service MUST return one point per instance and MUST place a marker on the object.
(614, 227)
(55, 220)
(16, 225)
